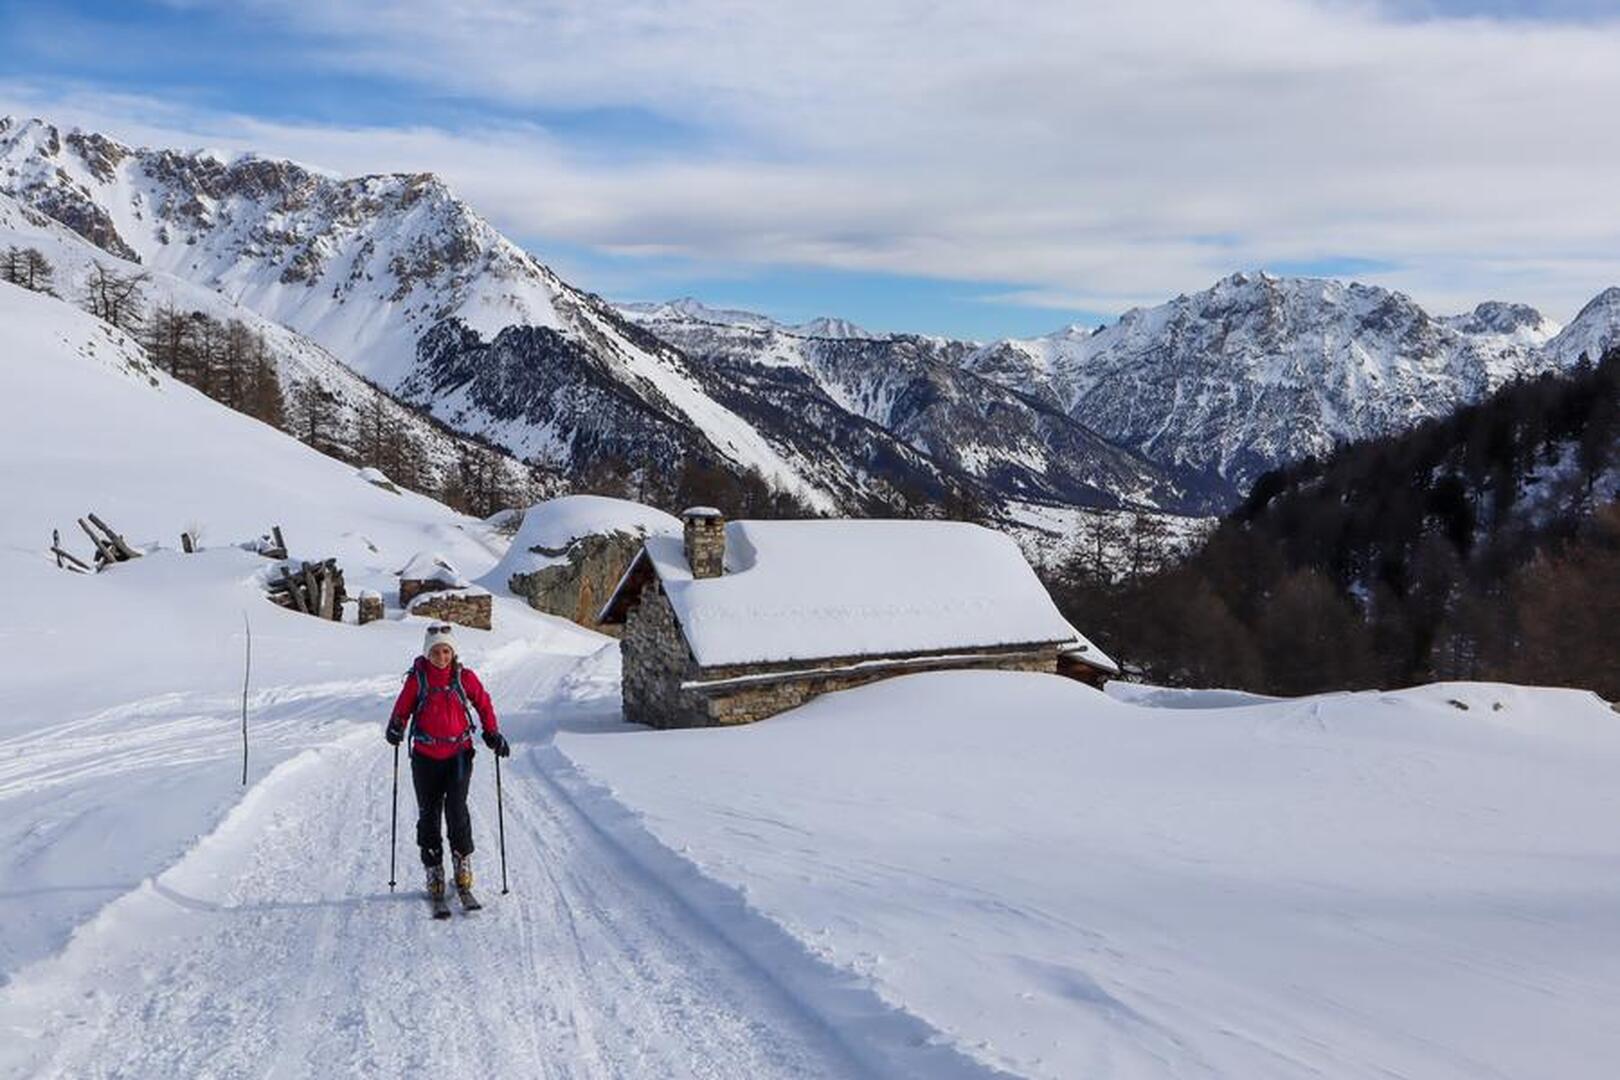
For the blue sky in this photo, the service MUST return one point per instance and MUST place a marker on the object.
(939, 167)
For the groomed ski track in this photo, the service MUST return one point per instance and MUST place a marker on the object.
(273, 947)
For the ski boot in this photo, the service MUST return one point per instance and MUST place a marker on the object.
(435, 882)
(435, 892)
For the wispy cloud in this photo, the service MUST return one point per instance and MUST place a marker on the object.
(1093, 152)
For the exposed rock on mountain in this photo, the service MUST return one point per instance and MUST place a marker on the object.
(916, 391)
(1260, 370)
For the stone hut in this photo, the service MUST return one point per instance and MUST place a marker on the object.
(730, 623)
(427, 571)
(570, 552)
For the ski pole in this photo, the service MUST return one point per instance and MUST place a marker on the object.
(247, 668)
(500, 822)
(393, 828)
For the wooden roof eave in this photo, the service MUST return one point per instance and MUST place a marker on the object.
(627, 592)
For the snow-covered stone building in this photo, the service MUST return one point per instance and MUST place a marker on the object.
(730, 623)
(433, 588)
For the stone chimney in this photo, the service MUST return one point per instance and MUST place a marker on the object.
(705, 535)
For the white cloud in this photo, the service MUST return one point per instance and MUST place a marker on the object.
(1077, 150)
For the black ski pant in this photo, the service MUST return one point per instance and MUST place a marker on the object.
(441, 791)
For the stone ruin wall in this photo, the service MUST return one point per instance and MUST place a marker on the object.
(476, 611)
(577, 589)
(655, 661)
(749, 703)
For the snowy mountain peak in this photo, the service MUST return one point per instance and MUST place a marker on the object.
(690, 310)
(825, 327)
(1592, 332)
(1499, 317)
(363, 266)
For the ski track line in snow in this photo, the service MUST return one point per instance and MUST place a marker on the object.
(273, 948)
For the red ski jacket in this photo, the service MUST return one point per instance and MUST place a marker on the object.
(443, 720)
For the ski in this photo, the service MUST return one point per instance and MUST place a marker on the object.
(469, 902)
(441, 906)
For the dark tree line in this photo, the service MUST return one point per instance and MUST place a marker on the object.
(228, 361)
(1483, 545)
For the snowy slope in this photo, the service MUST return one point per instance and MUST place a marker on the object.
(297, 359)
(1423, 883)
(129, 681)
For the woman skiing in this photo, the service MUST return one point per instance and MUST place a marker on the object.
(436, 704)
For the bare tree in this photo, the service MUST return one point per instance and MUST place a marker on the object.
(116, 299)
(1149, 538)
(38, 273)
(28, 268)
(168, 339)
(314, 414)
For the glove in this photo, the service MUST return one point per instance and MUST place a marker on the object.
(395, 733)
(497, 742)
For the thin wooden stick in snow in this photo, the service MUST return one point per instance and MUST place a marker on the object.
(247, 667)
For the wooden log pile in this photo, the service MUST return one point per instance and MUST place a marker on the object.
(314, 589)
(271, 545)
(110, 546)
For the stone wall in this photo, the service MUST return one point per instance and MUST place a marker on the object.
(755, 701)
(655, 662)
(411, 588)
(578, 589)
(462, 608)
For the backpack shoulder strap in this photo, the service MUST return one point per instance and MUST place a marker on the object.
(421, 688)
(461, 692)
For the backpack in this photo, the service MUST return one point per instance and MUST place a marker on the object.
(422, 692)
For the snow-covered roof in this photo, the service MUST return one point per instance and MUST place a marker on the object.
(431, 566)
(552, 525)
(802, 590)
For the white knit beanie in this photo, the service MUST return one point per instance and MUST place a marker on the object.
(438, 634)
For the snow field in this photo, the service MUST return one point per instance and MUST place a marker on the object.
(273, 947)
(1067, 885)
